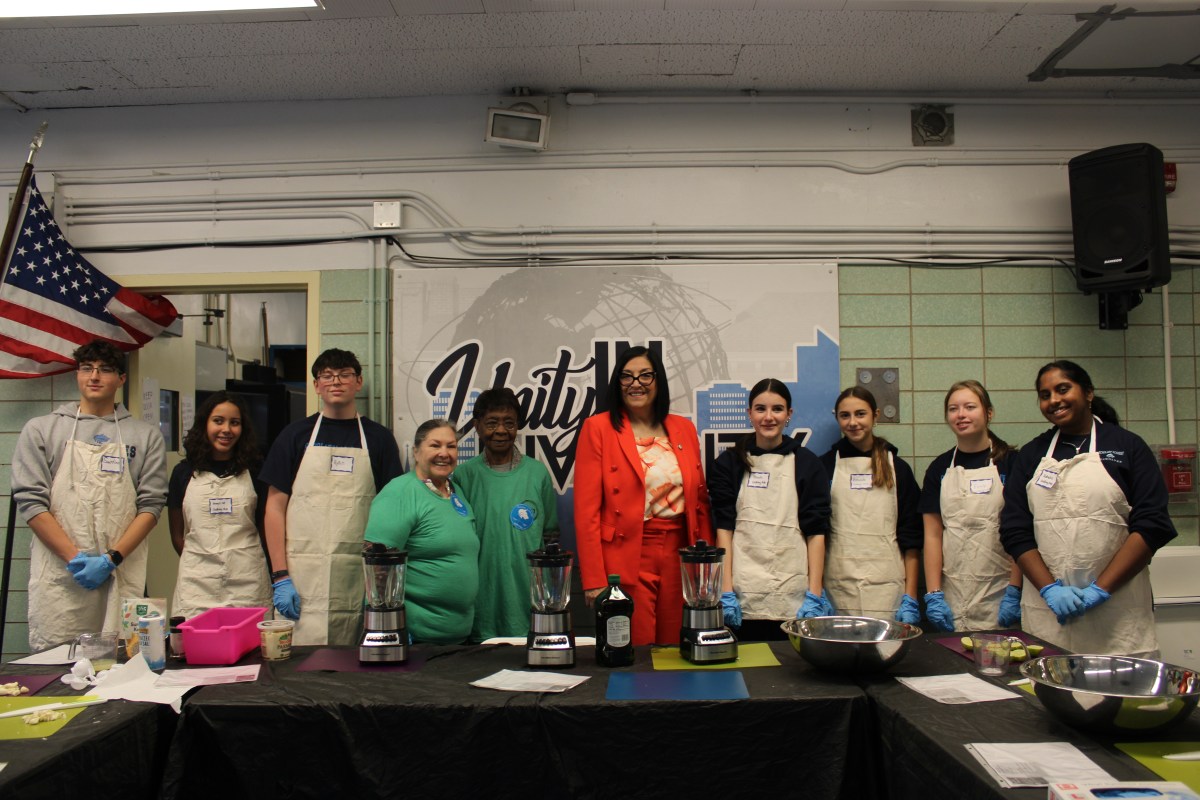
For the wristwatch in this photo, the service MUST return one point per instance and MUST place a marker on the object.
(116, 557)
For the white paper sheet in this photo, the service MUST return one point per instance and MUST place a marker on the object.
(208, 676)
(135, 681)
(509, 680)
(1020, 764)
(53, 656)
(957, 689)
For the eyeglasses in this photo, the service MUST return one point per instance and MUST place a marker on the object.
(88, 369)
(645, 379)
(490, 425)
(345, 376)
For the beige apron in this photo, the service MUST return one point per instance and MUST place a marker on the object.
(864, 574)
(222, 563)
(975, 568)
(326, 516)
(94, 500)
(770, 558)
(1079, 520)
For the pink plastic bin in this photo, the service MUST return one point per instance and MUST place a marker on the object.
(221, 635)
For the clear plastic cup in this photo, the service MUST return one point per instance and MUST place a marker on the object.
(992, 653)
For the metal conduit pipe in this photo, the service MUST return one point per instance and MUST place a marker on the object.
(749, 158)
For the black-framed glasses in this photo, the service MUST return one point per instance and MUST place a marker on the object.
(345, 376)
(645, 379)
(103, 369)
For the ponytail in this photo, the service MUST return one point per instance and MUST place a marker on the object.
(1101, 409)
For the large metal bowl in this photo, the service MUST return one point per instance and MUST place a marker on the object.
(850, 644)
(1114, 694)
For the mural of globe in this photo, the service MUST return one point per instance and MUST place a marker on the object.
(526, 315)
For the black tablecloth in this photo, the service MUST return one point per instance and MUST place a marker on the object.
(429, 734)
(922, 741)
(117, 749)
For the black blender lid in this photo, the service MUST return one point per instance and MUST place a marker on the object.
(551, 555)
(378, 554)
(701, 553)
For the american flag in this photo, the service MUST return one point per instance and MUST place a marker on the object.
(52, 301)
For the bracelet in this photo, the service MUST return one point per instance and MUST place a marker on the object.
(116, 557)
(279, 573)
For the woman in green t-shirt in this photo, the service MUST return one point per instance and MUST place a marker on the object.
(422, 512)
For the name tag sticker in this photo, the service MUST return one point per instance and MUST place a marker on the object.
(220, 505)
(1047, 479)
(111, 464)
(860, 480)
(759, 480)
(341, 464)
(981, 486)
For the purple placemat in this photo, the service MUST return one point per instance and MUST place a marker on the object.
(331, 659)
(954, 644)
(35, 682)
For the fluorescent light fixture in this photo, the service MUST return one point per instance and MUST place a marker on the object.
(107, 8)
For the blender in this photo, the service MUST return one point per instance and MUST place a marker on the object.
(385, 635)
(551, 641)
(703, 638)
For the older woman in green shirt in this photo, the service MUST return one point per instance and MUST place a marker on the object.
(422, 512)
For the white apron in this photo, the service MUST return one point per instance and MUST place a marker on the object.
(326, 516)
(222, 564)
(94, 500)
(975, 568)
(864, 573)
(770, 558)
(1079, 520)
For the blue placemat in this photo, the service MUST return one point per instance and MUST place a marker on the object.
(677, 685)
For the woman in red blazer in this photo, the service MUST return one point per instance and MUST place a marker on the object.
(639, 496)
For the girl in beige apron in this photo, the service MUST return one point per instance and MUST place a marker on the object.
(94, 500)
(326, 516)
(222, 563)
(1079, 520)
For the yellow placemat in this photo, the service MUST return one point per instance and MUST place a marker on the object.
(755, 654)
(1150, 755)
(15, 727)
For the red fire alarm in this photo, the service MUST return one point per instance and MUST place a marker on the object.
(1170, 175)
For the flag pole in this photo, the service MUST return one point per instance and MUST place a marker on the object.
(14, 212)
(10, 232)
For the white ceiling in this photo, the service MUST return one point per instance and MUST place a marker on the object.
(399, 48)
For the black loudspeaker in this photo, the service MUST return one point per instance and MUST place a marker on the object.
(1119, 219)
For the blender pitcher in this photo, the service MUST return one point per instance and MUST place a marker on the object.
(385, 632)
(703, 637)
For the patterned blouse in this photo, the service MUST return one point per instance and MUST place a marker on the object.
(664, 482)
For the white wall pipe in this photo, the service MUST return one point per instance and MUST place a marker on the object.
(1167, 325)
(755, 98)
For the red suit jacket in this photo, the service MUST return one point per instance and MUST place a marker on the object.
(610, 496)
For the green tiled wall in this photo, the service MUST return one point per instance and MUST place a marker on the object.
(999, 325)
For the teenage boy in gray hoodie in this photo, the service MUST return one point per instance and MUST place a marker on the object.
(90, 480)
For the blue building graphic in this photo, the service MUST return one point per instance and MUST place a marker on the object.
(468, 445)
(721, 408)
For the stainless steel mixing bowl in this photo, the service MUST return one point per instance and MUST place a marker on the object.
(850, 644)
(1114, 694)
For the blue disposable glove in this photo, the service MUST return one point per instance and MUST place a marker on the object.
(91, 571)
(908, 611)
(1010, 606)
(938, 612)
(1064, 601)
(813, 606)
(731, 609)
(1094, 596)
(287, 602)
(827, 609)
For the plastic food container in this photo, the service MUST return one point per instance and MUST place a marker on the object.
(221, 635)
